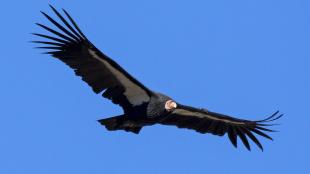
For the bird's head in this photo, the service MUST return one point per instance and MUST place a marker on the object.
(170, 105)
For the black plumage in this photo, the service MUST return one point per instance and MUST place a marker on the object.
(142, 106)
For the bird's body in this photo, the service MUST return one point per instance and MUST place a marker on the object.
(142, 106)
(146, 114)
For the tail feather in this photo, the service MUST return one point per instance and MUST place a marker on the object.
(120, 123)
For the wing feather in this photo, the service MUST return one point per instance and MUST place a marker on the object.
(243, 138)
(99, 71)
(232, 135)
(204, 121)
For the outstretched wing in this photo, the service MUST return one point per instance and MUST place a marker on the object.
(204, 121)
(99, 71)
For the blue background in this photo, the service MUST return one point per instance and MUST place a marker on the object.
(246, 58)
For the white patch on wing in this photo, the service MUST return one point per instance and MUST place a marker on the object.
(205, 115)
(134, 93)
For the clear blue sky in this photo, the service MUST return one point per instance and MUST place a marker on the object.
(246, 58)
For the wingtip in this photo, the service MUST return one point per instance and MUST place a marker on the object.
(44, 14)
(248, 147)
(273, 117)
(38, 24)
(65, 11)
(234, 144)
(51, 6)
(35, 34)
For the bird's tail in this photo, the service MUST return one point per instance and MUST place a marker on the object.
(120, 123)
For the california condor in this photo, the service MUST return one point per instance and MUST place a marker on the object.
(142, 106)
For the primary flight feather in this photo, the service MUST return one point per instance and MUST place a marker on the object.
(142, 106)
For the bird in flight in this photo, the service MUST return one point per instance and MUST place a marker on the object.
(141, 106)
